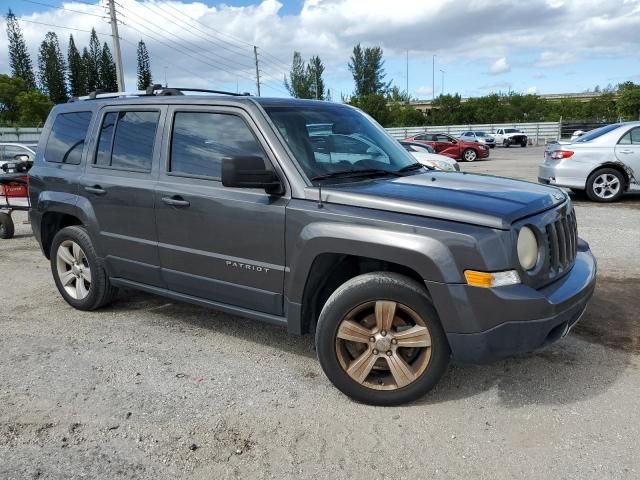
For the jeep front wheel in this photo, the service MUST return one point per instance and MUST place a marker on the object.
(379, 340)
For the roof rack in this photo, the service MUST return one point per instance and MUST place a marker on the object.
(153, 90)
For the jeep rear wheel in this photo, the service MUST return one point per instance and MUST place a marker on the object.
(77, 270)
(6, 226)
(379, 340)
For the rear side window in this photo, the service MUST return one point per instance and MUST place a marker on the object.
(632, 137)
(200, 140)
(126, 140)
(67, 138)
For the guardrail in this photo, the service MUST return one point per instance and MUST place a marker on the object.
(539, 133)
(20, 135)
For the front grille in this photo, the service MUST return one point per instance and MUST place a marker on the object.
(562, 238)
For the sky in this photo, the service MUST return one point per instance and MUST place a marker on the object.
(482, 46)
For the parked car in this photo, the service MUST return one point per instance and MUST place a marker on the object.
(480, 137)
(510, 136)
(427, 156)
(227, 202)
(604, 162)
(15, 152)
(445, 144)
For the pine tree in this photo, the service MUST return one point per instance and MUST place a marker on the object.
(315, 69)
(52, 69)
(77, 74)
(298, 84)
(19, 58)
(367, 67)
(144, 67)
(91, 61)
(108, 76)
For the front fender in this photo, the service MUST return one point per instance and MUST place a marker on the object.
(429, 257)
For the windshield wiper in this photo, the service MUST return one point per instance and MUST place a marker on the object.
(411, 166)
(368, 172)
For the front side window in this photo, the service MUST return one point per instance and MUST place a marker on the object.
(350, 140)
(200, 140)
(126, 140)
(443, 139)
(67, 138)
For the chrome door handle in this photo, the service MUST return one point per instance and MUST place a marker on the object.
(626, 151)
(176, 201)
(96, 190)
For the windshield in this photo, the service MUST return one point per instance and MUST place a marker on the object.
(481, 134)
(511, 130)
(596, 133)
(329, 139)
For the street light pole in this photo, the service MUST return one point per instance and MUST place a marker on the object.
(433, 75)
(442, 86)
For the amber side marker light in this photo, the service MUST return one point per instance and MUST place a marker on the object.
(491, 279)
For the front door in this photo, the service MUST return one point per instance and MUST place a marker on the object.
(119, 184)
(628, 151)
(218, 243)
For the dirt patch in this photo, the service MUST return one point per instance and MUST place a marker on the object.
(613, 316)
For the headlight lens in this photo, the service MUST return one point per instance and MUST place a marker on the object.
(527, 248)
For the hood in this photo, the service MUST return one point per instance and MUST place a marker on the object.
(470, 198)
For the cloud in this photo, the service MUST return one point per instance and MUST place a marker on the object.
(499, 66)
(532, 90)
(212, 46)
(497, 86)
(553, 59)
(424, 91)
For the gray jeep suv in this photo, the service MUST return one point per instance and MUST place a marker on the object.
(265, 208)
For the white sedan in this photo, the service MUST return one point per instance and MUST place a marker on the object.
(426, 155)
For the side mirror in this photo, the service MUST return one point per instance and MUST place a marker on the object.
(248, 171)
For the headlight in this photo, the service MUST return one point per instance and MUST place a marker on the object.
(527, 248)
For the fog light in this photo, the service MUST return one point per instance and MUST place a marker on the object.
(491, 279)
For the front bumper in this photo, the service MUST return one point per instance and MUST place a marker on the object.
(487, 324)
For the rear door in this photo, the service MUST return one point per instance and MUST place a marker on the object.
(119, 183)
(628, 150)
(218, 243)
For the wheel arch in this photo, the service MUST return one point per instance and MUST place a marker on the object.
(626, 172)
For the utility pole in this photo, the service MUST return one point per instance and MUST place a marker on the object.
(316, 70)
(442, 86)
(433, 75)
(116, 45)
(255, 54)
(407, 75)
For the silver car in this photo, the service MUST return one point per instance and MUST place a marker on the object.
(604, 162)
(480, 137)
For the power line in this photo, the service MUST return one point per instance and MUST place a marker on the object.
(60, 26)
(167, 35)
(172, 19)
(66, 9)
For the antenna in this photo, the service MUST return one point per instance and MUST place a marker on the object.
(320, 205)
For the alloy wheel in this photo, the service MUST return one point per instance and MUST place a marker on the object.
(73, 270)
(470, 155)
(606, 186)
(383, 345)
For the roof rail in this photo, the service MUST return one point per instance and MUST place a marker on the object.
(151, 90)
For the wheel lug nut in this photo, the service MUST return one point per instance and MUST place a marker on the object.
(372, 339)
(389, 353)
(383, 333)
(394, 341)
(375, 352)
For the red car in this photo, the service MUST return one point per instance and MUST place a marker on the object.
(452, 147)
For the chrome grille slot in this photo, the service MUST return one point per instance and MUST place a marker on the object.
(562, 239)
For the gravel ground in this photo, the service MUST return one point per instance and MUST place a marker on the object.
(149, 388)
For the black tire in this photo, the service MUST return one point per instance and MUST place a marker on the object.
(372, 287)
(7, 228)
(492, 146)
(591, 189)
(469, 155)
(101, 292)
(523, 144)
(506, 143)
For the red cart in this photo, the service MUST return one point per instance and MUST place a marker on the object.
(13, 188)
